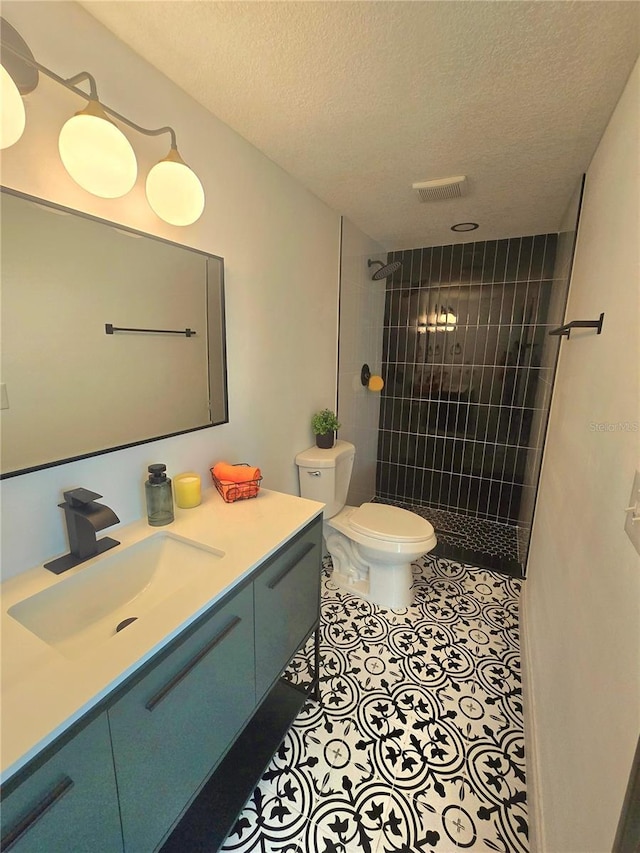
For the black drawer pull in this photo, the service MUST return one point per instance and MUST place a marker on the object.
(28, 821)
(186, 669)
(282, 575)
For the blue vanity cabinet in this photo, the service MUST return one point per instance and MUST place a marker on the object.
(287, 603)
(172, 754)
(172, 727)
(69, 804)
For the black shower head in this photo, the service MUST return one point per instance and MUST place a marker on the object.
(385, 269)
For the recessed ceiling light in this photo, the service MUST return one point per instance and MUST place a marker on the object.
(465, 226)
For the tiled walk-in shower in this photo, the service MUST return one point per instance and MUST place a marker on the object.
(468, 368)
(418, 742)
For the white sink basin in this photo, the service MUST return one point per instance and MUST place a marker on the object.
(83, 611)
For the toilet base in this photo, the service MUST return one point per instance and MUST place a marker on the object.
(360, 588)
(382, 579)
(391, 586)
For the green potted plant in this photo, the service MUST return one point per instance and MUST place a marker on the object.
(324, 425)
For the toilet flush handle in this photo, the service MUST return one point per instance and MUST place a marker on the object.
(314, 473)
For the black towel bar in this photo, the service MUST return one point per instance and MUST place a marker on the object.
(110, 329)
(579, 324)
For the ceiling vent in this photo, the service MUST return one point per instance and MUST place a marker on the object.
(442, 189)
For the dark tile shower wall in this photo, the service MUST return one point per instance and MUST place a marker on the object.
(463, 336)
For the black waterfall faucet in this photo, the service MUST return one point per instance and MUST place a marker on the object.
(84, 517)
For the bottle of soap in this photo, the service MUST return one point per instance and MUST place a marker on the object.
(159, 496)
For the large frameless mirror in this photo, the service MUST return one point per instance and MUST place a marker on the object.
(110, 337)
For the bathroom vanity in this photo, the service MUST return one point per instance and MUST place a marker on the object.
(153, 737)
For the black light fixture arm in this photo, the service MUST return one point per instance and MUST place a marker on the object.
(70, 84)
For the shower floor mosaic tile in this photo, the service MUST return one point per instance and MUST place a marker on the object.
(418, 742)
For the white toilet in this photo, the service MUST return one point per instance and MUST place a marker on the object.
(372, 546)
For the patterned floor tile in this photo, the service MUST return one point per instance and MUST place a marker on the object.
(410, 826)
(436, 806)
(461, 828)
(483, 638)
(352, 817)
(495, 803)
(345, 748)
(417, 744)
(479, 712)
(266, 826)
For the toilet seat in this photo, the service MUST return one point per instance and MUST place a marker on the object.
(381, 521)
(384, 539)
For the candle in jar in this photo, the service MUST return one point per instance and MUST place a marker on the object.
(186, 489)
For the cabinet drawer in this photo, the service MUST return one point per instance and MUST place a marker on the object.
(287, 603)
(70, 803)
(173, 726)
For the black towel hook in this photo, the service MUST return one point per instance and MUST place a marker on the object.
(579, 324)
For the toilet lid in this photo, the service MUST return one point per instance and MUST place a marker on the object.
(390, 522)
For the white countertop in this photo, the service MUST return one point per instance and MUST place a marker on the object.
(43, 692)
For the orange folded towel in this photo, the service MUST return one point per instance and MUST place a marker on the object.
(223, 471)
(239, 491)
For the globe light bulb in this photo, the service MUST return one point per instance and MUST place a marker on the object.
(174, 191)
(13, 117)
(96, 154)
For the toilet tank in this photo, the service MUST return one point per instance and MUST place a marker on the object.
(324, 475)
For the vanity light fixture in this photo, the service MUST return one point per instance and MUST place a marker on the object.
(95, 152)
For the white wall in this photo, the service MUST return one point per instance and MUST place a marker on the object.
(548, 357)
(281, 251)
(581, 603)
(361, 321)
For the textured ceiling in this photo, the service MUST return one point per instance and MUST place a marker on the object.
(358, 100)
